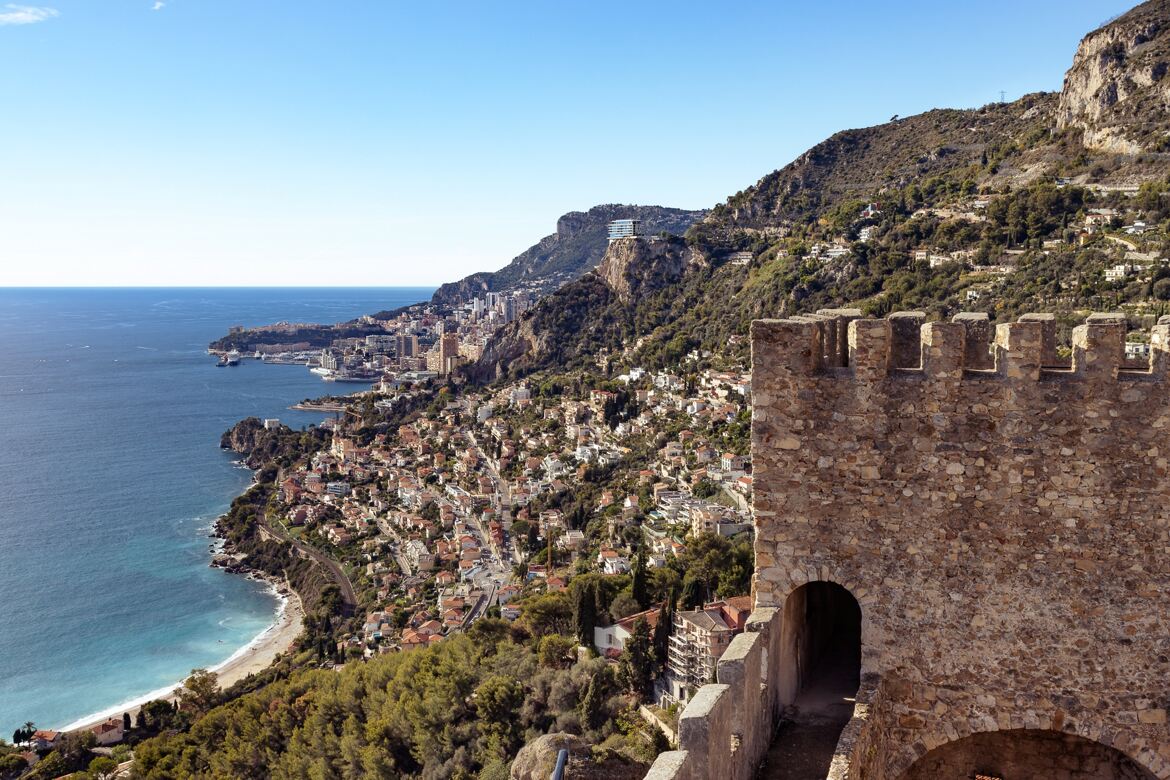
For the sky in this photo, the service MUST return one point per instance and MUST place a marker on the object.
(376, 142)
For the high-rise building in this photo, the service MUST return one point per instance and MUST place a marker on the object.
(625, 228)
(449, 345)
(407, 346)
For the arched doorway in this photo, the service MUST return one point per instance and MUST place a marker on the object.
(1027, 754)
(818, 673)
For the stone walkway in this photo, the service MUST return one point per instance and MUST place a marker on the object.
(804, 743)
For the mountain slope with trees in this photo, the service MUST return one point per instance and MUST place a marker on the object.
(998, 196)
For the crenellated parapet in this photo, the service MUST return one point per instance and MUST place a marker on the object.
(999, 509)
(839, 343)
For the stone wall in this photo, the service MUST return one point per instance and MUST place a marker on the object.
(1003, 523)
(726, 728)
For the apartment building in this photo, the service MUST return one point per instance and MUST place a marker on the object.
(698, 640)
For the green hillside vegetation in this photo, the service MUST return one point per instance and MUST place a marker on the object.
(459, 709)
(1029, 232)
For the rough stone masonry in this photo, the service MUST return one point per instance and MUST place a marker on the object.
(1003, 520)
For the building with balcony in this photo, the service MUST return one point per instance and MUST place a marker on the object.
(698, 640)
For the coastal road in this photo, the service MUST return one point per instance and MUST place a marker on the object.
(348, 597)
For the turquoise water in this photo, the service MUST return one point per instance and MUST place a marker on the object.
(111, 476)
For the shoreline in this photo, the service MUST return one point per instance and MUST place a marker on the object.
(252, 658)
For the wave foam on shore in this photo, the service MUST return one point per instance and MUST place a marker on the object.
(274, 639)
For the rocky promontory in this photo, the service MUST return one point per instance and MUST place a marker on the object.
(576, 248)
(259, 445)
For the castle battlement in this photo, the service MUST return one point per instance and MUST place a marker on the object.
(976, 530)
(840, 342)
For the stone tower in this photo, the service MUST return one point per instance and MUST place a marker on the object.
(982, 531)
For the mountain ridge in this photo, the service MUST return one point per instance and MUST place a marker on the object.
(574, 249)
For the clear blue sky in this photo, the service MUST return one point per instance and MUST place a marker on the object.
(220, 142)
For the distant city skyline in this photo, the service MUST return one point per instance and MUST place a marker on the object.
(176, 143)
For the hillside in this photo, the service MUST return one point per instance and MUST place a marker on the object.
(995, 201)
(575, 249)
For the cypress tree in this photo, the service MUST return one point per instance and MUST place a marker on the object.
(662, 631)
(593, 714)
(585, 611)
(636, 660)
(638, 587)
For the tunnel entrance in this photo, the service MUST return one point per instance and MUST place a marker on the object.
(1027, 754)
(818, 675)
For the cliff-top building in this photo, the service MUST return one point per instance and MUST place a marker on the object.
(962, 556)
(624, 228)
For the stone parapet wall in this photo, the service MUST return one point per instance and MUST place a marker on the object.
(1003, 521)
(725, 729)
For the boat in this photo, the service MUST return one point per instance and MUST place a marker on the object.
(222, 361)
(232, 358)
(322, 371)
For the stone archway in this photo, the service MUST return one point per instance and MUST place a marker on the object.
(820, 643)
(818, 672)
(1027, 754)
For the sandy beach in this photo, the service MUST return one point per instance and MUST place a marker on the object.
(275, 641)
(253, 658)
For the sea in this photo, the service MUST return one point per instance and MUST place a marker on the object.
(111, 477)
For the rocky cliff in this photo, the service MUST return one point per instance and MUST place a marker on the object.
(259, 445)
(596, 312)
(1116, 91)
(632, 266)
(573, 250)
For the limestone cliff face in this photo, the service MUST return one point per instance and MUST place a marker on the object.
(632, 266)
(594, 312)
(1116, 90)
(571, 252)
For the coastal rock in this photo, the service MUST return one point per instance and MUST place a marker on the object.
(260, 445)
(244, 436)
